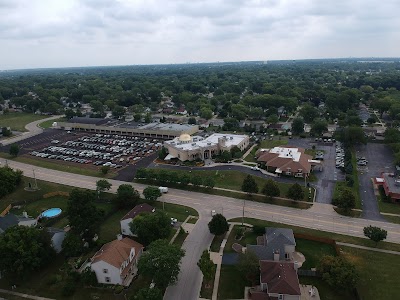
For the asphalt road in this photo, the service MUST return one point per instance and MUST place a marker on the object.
(188, 286)
(380, 159)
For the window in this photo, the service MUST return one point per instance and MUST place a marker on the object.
(108, 279)
(280, 297)
(105, 271)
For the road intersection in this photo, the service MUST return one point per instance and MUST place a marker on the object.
(320, 217)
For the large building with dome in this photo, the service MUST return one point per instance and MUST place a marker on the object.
(186, 147)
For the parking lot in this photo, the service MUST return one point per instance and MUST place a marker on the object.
(115, 151)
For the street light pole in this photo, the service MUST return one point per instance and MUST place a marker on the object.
(244, 201)
(34, 177)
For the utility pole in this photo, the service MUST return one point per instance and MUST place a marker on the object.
(34, 177)
(244, 201)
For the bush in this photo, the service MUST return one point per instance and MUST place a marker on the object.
(259, 230)
(54, 279)
(239, 231)
(118, 289)
(68, 289)
(349, 180)
(303, 135)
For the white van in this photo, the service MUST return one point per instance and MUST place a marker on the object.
(163, 189)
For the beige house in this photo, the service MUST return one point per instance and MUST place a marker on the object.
(116, 261)
(186, 147)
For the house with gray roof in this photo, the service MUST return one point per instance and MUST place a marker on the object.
(57, 237)
(10, 220)
(277, 244)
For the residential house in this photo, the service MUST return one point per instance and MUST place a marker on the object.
(116, 262)
(391, 185)
(181, 111)
(10, 220)
(127, 219)
(57, 237)
(289, 161)
(276, 244)
(278, 281)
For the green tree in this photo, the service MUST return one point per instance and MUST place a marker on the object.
(295, 192)
(271, 189)
(297, 126)
(69, 114)
(192, 121)
(309, 112)
(137, 117)
(209, 182)
(118, 111)
(196, 180)
(9, 180)
(249, 185)
(105, 169)
(127, 196)
(249, 264)
(161, 263)
(346, 199)
(14, 150)
(6, 132)
(24, 250)
(218, 225)
(83, 215)
(352, 136)
(338, 272)
(101, 186)
(72, 245)
(319, 126)
(207, 266)
(375, 234)
(97, 106)
(392, 135)
(150, 227)
(206, 113)
(110, 104)
(148, 294)
(151, 193)
(272, 119)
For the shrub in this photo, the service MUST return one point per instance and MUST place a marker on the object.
(68, 289)
(349, 180)
(259, 230)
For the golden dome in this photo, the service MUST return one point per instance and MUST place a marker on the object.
(185, 138)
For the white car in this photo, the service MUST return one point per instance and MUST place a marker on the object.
(255, 168)
(213, 212)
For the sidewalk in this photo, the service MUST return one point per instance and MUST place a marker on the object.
(368, 248)
(24, 295)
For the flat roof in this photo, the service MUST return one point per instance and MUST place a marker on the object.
(85, 120)
(392, 182)
(200, 142)
(283, 152)
(166, 126)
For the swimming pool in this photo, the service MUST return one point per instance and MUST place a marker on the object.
(51, 213)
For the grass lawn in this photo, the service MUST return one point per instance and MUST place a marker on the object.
(111, 226)
(216, 242)
(379, 273)
(388, 207)
(313, 251)
(392, 219)
(180, 238)
(231, 283)
(179, 212)
(34, 208)
(88, 170)
(20, 195)
(324, 234)
(48, 123)
(266, 144)
(326, 292)
(192, 220)
(17, 121)
(248, 238)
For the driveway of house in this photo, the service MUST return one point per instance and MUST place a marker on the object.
(380, 160)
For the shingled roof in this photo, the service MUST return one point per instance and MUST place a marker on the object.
(280, 277)
(138, 209)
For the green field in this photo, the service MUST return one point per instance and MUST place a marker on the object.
(313, 251)
(231, 283)
(17, 121)
(48, 123)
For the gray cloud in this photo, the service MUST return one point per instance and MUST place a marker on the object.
(47, 33)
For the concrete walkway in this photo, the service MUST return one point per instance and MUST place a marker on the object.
(368, 248)
(32, 128)
(248, 151)
(24, 295)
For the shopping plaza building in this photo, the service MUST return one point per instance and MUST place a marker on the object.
(186, 147)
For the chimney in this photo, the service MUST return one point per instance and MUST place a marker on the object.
(276, 255)
(119, 237)
(24, 214)
(296, 265)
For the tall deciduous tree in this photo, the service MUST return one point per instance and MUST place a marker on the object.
(338, 272)
(218, 225)
(375, 234)
(151, 193)
(9, 180)
(346, 200)
(83, 215)
(249, 264)
(249, 185)
(206, 265)
(14, 150)
(102, 185)
(161, 263)
(151, 293)
(24, 250)
(297, 126)
(150, 227)
(271, 189)
(127, 196)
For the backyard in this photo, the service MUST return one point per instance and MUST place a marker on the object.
(18, 120)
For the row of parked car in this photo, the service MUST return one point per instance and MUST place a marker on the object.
(339, 156)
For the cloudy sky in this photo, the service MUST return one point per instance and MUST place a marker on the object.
(59, 33)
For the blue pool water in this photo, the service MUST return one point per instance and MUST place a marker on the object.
(51, 213)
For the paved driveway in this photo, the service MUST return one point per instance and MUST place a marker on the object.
(380, 160)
